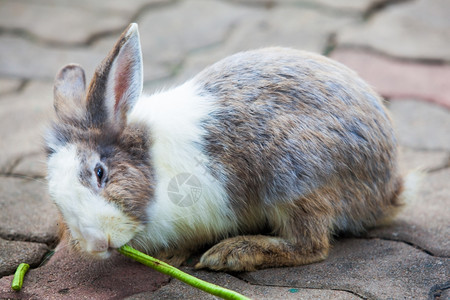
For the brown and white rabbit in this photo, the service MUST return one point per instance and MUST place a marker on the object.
(280, 149)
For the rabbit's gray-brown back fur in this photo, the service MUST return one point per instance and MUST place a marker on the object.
(297, 131)
(291, 122)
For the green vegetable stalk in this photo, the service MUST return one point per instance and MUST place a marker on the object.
(167, 269)
(18, 276)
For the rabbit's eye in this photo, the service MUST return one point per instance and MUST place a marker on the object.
(99, 172)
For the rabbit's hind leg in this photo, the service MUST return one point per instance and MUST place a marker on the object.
(301, 239)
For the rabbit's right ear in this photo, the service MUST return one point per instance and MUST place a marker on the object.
(117, 82)
(69, 91)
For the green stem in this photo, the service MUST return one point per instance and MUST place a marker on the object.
(167, 269)
(18, 276)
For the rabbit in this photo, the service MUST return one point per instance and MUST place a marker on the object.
(264, 157)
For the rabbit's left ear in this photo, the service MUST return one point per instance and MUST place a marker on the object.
(69, 92)
(117, 82)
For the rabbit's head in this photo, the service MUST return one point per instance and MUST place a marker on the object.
(99, 170)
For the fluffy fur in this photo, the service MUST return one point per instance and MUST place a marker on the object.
(288, 148)
(175, 119)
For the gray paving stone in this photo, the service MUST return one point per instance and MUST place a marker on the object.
(9, 85)
(20, 57)
(68, 276)
(31, 165)
(424, 220)
(297, 27)
(116, 6)
(179, 290)
(57, 23)
(26, 212)
(170, 33)
(413, 29)
(165, 38)
(360, 6)
(46, 61)
(12, 253)
(413, 160)
(354, 6)
(23, 117)
(373, 269)
(421, 125)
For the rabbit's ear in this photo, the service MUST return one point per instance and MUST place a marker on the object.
(69, 91)
(117, 82)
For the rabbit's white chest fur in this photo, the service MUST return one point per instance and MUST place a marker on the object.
(174, 119)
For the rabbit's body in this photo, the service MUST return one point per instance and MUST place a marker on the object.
(280, 149)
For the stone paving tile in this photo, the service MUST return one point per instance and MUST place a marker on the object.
(360, 6)
(163, 52)
(352, 6)
(31, 165)
(9, 85)
(179, 290)
(15, 252)
(297, 27)
(23, 117)
(46, 61)
(116, 6)
(68, 276)
(412, 160)
(26, 212)
(372, 269)
(394, 78)
(74, 26)
(166, 39)
(424, 221)
(413, 29)
(421, 125)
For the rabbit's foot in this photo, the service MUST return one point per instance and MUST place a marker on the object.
(248, 253)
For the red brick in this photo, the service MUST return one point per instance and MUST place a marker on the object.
(394, 78)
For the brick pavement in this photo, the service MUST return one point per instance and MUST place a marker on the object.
(402, 48)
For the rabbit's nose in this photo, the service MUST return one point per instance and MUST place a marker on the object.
(96, 241)
(98, 245)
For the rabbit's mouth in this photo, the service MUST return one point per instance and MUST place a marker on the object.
(95, 243)
(101, 244)
(100, 236)
(96, 250)
(101, 255)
